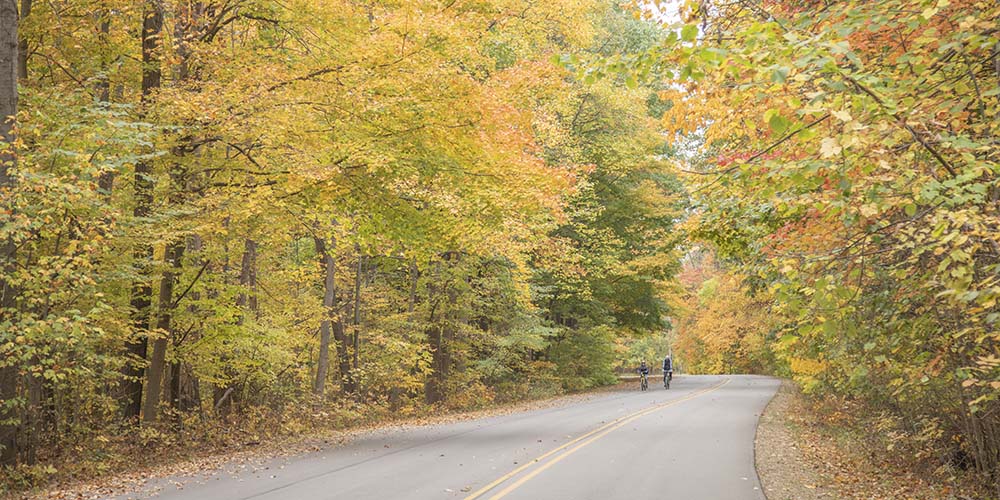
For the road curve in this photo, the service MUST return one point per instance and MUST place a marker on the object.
(694, 441)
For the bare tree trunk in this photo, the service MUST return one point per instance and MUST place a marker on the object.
(31, 425)
(184, 396)
(106, 180)
(996, 59)
(173, 259)
(175, 384)
(414, 278)
(8, 161)
(142, 290)
(329, 299)
(22, 44)
(247, 298)
(343, 356)
(193, 399)
(355, 383)
(359, 271)
(188, 17)
(157, 361)
(442, 332)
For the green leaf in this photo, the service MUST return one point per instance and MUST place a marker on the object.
(779, 74)
(787, 339)
(689, 32)
(910, 209)
(778, 124)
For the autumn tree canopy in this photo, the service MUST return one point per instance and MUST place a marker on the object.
(246, 216)
(843, 167)
(221, 213)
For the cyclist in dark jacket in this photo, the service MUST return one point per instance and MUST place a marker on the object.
(643, 369)
(668, 364)
(643, 374)
(668, 371)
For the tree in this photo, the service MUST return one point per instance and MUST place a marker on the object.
(142, 289)
(489, 220)
(843, 161)
(8, 264)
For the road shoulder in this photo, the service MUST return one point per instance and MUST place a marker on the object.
(804, 453)
(784, 471)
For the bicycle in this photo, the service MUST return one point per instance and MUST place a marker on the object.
(643, 382)
(667, 377)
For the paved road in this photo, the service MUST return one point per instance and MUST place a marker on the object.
(694, 441)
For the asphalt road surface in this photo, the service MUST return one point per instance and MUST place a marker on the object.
(694, 441)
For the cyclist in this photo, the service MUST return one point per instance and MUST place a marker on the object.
(643, 373)
(668, 371)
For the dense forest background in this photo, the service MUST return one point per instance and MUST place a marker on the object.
(262, 216)
(229, 219)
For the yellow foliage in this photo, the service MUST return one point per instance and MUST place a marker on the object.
(806, 366)
(723, 328)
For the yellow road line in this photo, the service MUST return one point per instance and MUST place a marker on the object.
(594, 435)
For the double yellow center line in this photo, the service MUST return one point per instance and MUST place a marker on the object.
(576, 444)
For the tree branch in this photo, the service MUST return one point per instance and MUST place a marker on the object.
(901, 121)
(190, 286)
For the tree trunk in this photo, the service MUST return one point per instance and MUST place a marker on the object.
(175, 385)
(157, 361)
(173, 260)
(329, 311)
(8, 161)
(357, 307)
(31, 425)
(441, 333)
(8, 431)
(414, 278)
(434, 387)
(142, 290)
(996, 59)
(106, 180)
(333, 323)
(355, 382)
(222, 399)
(184, 396)
(343, 356)
(192, 399)
(247, 298)
(22, 44)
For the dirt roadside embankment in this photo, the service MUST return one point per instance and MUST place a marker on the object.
(800, 455)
